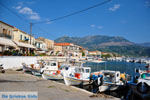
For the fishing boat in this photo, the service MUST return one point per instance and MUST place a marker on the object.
(76, 75)
(107, 80)
(139, 86)
(33, 68)
(52, 71)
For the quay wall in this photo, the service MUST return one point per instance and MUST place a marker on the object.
(12, 62)
(16, 61)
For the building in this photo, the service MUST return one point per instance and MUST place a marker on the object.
(6, 37)
(21, 36)
(41, 46)
(68, 49)
(22, 40)
(95, 53)
(57, 50)
(49, 43)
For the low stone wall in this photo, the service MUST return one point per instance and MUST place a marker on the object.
(16, 61)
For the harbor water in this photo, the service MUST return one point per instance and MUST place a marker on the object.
(123, 67)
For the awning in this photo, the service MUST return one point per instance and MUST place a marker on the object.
(20, 44)
(7, 42)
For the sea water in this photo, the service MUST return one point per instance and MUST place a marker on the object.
(123, 67)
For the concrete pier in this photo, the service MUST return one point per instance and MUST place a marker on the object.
(47, 90)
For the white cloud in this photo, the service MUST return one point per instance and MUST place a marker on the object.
(99, 27)
(34, 17)
(31, 14)
(26, 10)
(147, 3)
(115, 7)
(92, 25)
(18, 7)
(95, 26)
(48, 21)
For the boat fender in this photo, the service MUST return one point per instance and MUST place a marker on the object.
(58, 71)
(142, 87)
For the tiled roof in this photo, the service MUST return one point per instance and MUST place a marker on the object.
(62, 44)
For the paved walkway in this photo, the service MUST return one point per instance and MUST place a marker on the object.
(47, 90)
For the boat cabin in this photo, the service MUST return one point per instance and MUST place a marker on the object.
(51, 65)
(79, 72)
(111, 76)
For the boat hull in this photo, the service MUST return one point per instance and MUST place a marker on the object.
(33, 71)
(72, 81)
(107, 87)
(51, 77)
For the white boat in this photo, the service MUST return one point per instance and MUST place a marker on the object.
(76, 75)
(33, 68)
(107, 80)
(51, 71)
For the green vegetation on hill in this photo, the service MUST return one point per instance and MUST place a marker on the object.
(118, 45)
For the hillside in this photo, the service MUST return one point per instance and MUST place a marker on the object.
(145, 44)
(108, 44)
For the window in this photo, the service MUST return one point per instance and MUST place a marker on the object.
(4, 31)
(25, 38)
(20, 37)
(53, 64)
(87, 70)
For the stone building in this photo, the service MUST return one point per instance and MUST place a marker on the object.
(68, 49)
(49, 43)
(6, 37)
(22, 40)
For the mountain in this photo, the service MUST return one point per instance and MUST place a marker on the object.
(114, 44)
(145, 44)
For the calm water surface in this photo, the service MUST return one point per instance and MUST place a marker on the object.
(123, 67)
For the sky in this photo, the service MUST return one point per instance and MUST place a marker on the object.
(126, 18)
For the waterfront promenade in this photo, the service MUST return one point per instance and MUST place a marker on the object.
(47, 90)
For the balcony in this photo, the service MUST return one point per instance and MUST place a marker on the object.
(24, 41)
(5, 35)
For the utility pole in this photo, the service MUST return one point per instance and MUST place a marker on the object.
(30, 36)
(30, 31)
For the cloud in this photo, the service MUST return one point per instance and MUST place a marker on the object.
(115, 7)
(92, 25)
(48, 21)
(31, 14)
(18, 7)
(147, 3)
(99, 27)
(95, 26)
